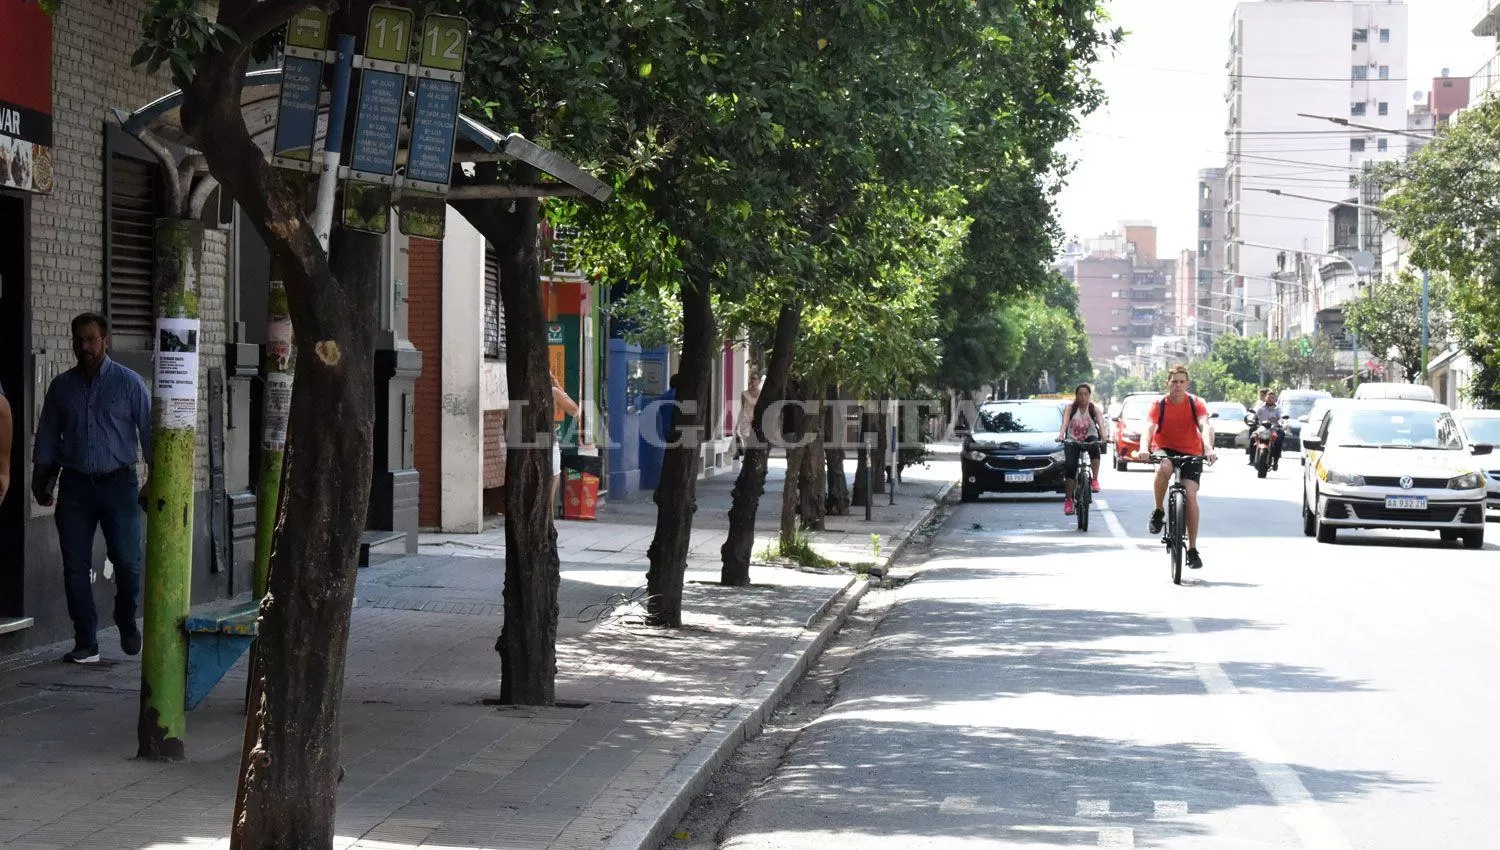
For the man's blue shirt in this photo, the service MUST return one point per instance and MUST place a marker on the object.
(93, 427)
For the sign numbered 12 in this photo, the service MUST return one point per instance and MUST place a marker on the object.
(445, 39)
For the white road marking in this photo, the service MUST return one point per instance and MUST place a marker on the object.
(1168, 809)
(1093, 808)
(1118, 837)
(1116, 528)
(965, 806)
(1302, 813)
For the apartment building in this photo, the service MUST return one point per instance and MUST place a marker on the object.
(1127, 295)
(1213, 295)
(1288, 59)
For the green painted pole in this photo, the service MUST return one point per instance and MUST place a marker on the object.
(169, 507)
(280, 357)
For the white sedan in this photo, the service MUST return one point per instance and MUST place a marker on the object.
(1483, 427)
(1394, 464)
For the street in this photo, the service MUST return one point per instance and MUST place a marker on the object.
(1038, 687)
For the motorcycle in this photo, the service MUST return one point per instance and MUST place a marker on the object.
(1264, 437)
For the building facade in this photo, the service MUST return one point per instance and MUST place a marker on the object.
(1214, 297)
(1126, 294)
(1314, 57)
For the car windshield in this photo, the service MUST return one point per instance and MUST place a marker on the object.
(1020, 418)
(1483, 429)
(1395, 429)
(1298, 407)
(1232, 412)
(1137, 408)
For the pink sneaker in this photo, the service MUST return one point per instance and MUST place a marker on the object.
(1095, 485)
(1067, 507)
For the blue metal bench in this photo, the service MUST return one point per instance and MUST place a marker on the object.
(216, 640)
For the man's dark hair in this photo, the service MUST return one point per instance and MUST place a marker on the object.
(83, 319)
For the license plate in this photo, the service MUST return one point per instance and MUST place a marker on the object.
(1019, 477)
(1406, 503)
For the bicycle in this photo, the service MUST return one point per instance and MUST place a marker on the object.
(1083, 480)
(1174, 534)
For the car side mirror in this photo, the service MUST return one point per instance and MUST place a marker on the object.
(1483, 449)
(1213, 416)
(962, 430)
(1302, 419)
(1313, 444)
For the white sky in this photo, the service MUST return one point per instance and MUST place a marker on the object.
(1138, 156)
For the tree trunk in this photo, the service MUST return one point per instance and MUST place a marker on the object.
(796, 459)
(833, 453)
(528, 638)
(814, 476)
(676, 491)
(751, 483)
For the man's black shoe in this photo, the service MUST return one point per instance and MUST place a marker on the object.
(130, 642)
(1194, 562)
(1158, 521)
(82, 655)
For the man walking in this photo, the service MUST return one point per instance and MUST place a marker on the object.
(93, 417)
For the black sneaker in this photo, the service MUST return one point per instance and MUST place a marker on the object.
(1194, 562)
(130, 642)
(82, 655)
(1158, 521)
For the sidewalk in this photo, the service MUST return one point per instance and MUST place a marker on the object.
(646, 718)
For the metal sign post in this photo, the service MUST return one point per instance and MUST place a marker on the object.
(429, 162)
(377, 123)
(301, 81)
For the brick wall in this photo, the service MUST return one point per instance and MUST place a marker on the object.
(494, 449)
(92, 43)
(424, 305)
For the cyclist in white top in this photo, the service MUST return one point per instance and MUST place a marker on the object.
(1081, 420)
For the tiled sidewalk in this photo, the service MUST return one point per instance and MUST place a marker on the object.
(429, 762)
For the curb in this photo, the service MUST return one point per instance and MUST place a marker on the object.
(664, 807)
(911, 528)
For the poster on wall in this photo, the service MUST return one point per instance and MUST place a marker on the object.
(176, 388)
(25, 97)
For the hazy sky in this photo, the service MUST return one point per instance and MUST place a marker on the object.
(1138, 157)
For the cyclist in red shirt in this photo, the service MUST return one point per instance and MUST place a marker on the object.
(1180, 433)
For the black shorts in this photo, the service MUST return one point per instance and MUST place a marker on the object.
(1191, 465)
(1071, 453)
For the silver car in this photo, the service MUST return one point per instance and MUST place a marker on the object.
(1483, 427)
(1395, 465)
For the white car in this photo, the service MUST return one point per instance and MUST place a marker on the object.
(1394, 464)
(1482, 427)
(1230, 429)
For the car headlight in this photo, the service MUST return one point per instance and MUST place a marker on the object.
(1345, 479)
(1470, 481)
(974, 454)
(1059, 455)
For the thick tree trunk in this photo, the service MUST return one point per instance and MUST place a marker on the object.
(833, 453)
(528, 639)
(751, 483)
(676, 491)
(814, 475)
(796, 459)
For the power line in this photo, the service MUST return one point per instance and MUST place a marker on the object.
(1349, 79)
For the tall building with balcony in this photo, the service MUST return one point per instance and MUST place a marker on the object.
(1213, 297)
(1332, 58)
(1125, 293)
(1486, 80)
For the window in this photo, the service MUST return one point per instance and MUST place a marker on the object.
(1115, 294)
(1361, 36)
(1205, 192)
(1357, 108)
(1204, 247)
(1385, 36)
(1353, 181)
(1356, 144)
(135, 200)
(1385, 72)
(1381, 145)
(1361, 72)
(1385, 108)
(1206, 218)
(494, 311)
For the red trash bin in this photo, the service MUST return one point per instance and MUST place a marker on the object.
(580, 495)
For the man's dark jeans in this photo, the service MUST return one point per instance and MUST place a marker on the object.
(86, 503)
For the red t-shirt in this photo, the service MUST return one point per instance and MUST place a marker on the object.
(1178, 430)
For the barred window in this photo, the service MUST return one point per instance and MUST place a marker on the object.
(494, 311)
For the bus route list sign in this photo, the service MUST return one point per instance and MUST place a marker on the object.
(377, 122)
(301, 85)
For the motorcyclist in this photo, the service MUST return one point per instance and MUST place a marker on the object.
(1268, 414)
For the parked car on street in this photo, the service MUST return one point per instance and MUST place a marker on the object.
(1394, 465)
(1135, 412)
(1296, 405)
(1013, 448)
(1229, 424)
(1483, 427)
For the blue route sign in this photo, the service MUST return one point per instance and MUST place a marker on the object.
(297, 110)
(433, 125)
(378, 123)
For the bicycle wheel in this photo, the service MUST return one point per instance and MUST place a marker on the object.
(1081, 506)
(1176, 531)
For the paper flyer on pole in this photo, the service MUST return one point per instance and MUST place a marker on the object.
(176, 389)
(278, 409)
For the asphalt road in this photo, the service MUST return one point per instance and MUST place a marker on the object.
(1034, 687)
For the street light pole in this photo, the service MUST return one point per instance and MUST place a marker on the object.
(1426, 306)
